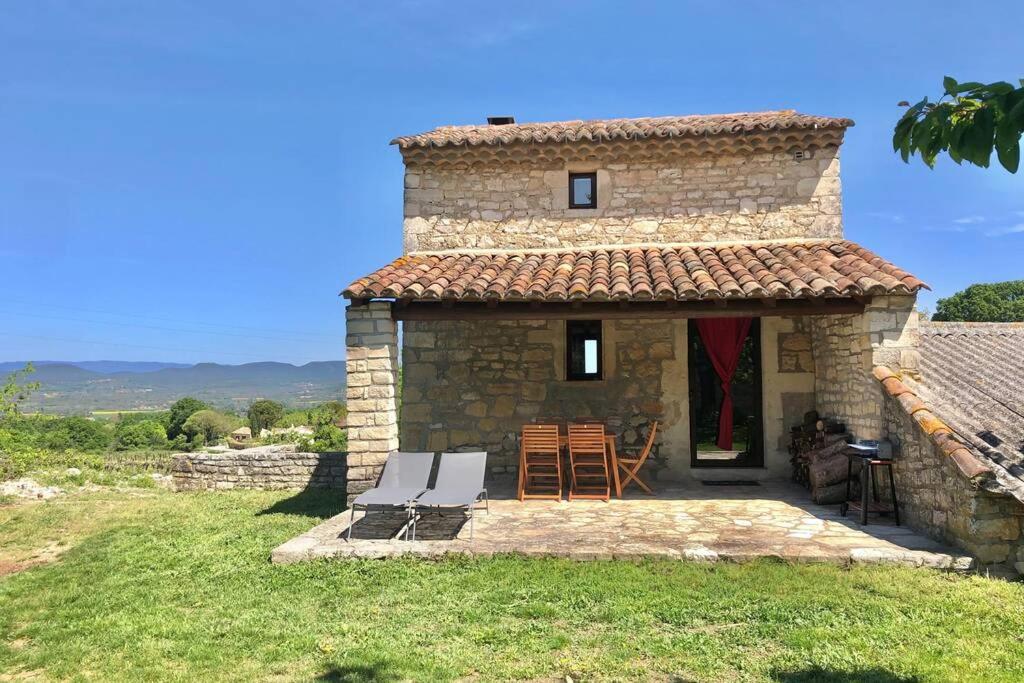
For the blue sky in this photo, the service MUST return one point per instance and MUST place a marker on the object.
(195, 181)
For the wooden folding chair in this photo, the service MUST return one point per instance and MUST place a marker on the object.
(540, 463)
(588, 462)
(630, 465)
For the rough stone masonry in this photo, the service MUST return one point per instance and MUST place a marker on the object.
(263, 467)
(734, 196)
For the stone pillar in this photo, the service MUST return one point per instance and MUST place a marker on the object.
(893, 331)
(847, 347)
(371, 363)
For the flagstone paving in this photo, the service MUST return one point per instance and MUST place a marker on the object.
(692, 522)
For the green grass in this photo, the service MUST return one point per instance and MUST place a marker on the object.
(153, 585)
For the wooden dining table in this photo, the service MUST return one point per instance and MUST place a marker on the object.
(610, 454)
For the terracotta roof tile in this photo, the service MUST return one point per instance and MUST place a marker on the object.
(783, 270)
(620, 129)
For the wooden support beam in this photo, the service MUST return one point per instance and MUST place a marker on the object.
(648, 310)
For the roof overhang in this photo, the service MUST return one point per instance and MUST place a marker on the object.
(711, 279)
(639, 310)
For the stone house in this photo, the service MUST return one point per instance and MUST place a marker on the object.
(559, 270)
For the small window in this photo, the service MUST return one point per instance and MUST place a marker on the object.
(582, 190)
(583, 349)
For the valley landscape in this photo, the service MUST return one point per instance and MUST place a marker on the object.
(81, 387)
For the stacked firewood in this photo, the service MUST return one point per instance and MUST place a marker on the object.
(819, 463)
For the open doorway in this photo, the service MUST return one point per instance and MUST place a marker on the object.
(742, 445)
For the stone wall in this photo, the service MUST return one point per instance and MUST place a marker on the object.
(264, 467)
(472, 385)
(371, 363)
(787, 385)
(729, 196)
(939, 500)
(845, 349)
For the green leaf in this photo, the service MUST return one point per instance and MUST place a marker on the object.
(901, 136)
(1007, 143)
(1016, 114)
(1009, 157)
(978, 137)
(969, 86)
(950, 84)
(1000, 88)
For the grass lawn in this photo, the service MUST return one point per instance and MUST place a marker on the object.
(154, 585)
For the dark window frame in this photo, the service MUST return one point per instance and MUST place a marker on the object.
(592, 204)
(584, 330)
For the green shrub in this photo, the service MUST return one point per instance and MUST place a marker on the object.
(76, 433)
(19, 463)
(140, 434)
(294, 418)
(211, 424)
(326, 438)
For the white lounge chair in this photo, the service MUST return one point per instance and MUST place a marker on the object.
(459, 485)
(405, 477)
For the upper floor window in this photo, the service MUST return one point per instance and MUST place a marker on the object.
(583, 349)
(582, 190)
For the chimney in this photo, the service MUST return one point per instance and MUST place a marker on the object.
(500, 120)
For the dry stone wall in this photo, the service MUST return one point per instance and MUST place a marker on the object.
(472, 385)
(265, 467)
(729, 196)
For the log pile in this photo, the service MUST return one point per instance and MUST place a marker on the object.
(819, 464)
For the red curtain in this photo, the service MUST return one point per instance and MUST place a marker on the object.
(723, 340)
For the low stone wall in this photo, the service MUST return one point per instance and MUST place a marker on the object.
(266, 467)
(939, 498)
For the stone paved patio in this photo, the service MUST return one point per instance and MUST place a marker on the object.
(693, 522)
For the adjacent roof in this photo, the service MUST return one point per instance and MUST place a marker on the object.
(621, 129)
(757, 270)
(937, 430)
(973, 376)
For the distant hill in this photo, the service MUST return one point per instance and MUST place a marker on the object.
(72, 388)
(109, 367)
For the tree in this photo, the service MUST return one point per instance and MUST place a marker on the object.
(332, 411)
(182, 409)
(976, 119)
(210, 424)
(1000, 302)
(75, 434)
(139, 434)
(14, 391)
(264, 414)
